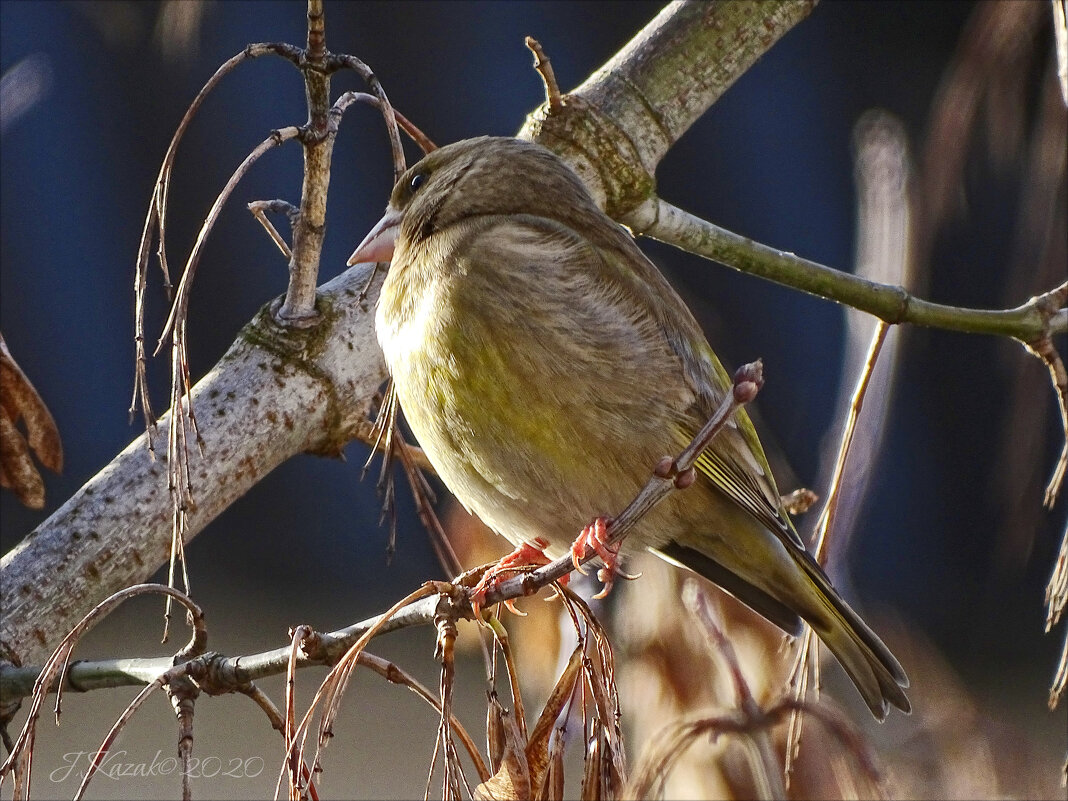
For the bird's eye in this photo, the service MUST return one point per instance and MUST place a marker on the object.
(417, 181)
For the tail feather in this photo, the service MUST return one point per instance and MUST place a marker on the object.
(874, 670)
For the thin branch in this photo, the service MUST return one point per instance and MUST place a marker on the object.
(1028, 322)
(259, 209)
(180, 307)
(825, 523)
(1043, 349)
(179, 483)
(50, 678)
(338, 61)
(649, 779)
(409, 127)
(500, 634)
(545, 69)
(309, 228)
(668, 476)
(1057, 602)
(806, 659)
(333, 685)
(394, 674)
(113, 733)
(618, 125)
(765, 768)
(155, 227)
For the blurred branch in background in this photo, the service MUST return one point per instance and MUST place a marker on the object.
(178, 28)
(986, 116)
(881, 174)
(22, 86)
(884, 213)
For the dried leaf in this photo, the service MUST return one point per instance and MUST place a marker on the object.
(512, 779)
(591, 774)
(19, 400)
(537, 749)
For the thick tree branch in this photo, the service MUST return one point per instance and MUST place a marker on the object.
(274, 394)
(617, 126)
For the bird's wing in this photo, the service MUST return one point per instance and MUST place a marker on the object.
(735, 462)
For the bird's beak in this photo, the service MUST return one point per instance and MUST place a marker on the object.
(378, 244)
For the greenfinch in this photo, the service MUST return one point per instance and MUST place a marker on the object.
(546, 366)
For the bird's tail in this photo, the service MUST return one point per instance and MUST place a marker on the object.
(874, 670)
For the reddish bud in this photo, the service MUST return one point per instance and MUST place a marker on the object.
(745, 391)
(664, 467)
(685, 478)
(754, 371)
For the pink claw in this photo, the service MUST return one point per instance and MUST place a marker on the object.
(526, 556)
(594, 537)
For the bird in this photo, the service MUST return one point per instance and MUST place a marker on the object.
(545, 365)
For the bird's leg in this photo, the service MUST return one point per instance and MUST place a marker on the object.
(594, 537)
(527, 556)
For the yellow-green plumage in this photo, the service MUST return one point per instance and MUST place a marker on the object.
(545, 366)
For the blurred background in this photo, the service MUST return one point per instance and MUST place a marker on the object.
(950, 546)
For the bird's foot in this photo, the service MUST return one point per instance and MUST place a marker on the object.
(524, 558)
(594, 537)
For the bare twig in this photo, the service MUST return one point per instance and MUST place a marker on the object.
(1044, 350)
(415, 134)
(766, 770)
(445, 651)
(332, 688)
(183, 693)
(893, 304)
(180, 307)
(806, 660)
(500, 634)
(298, 308)
(424, 505)
(342, 61)
(1057, 602)
(178, 473)
(259, 209)
(309, 228)
(51, 676)
(649, 778)
(155, 227)
(826, 520)
(619, 124)
(110, 738)
(882, 169)
(545, 70)
(385, 430)
(397, 675)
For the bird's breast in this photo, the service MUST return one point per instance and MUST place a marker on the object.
(538, 414)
